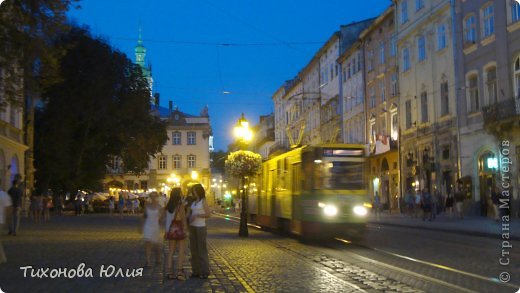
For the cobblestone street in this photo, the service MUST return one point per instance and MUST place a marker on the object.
(264, 262)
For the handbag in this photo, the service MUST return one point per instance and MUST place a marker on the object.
(176, 230)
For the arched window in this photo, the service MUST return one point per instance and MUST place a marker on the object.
(516, 77)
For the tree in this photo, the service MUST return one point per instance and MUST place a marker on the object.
(218, 160)
(27, 29)
(243, 164)
(99, 109)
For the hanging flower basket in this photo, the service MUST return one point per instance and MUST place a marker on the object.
(241, 164)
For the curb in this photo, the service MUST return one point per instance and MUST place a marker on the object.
(454, 231)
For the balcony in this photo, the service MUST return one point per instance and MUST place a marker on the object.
(502, 112)
(11, 132)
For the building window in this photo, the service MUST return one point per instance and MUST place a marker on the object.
(192, 161)
(344, 75)
(116, 163)
(424, 107)
(515, 11)
(474, 103)
(408, 111)
(444, 98)
(162, 162)
(382, 52)
(406, 59)
(176, 138)
(192, 138)
(393, 45)
(516, 82)
(354, 66)
(359, 62)
(470, 29)
(348, 70)
(394, 126)
(404, 11)
(383, 91)
(441, 36)
(13, 115)
(372, 131)
(394, 84)
(446, 152)
(419, 4)
(176, 162)
(491, 84)
(372, 98)
(488, 21)
(371, 60)
(421, 48)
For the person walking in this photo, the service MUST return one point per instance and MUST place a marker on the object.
(198, 233)
(5, 203)
(449, 204)
(409, 201)
(176, 219)
(111, 206)
(459, 200)
(495, 200)
(153, 216)
(16, 194)
(417, 203)
(377, 206)
(121, 204)
(426, 204)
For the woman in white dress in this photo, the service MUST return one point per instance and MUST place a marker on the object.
(153, 215)
(198, 233)
(176, 209)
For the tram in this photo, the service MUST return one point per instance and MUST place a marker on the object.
(313, 191)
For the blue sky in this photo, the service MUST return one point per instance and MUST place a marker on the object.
(189, 66)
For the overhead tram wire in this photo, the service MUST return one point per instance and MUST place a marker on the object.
(221, 44)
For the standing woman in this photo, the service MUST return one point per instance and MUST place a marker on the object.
(153, 216)
(199, 251)
(176, 210)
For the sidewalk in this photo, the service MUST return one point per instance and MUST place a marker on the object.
(479, 226)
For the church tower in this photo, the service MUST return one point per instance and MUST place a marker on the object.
(140, 54)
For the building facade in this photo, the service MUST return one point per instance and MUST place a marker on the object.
(12, 146)
(488, 34)
(428, 144)
(184, 158)
(263, 139)
(379, 44)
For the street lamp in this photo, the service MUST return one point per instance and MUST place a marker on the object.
(244, 135)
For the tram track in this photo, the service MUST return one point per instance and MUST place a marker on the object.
(383, 261)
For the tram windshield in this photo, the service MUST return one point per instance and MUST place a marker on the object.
(340, 175)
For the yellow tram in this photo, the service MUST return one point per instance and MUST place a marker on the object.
(314, 191)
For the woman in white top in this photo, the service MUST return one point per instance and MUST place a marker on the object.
(199, 251)
(153, 215)
(176, 209)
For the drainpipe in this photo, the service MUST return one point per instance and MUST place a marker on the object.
(458, 106)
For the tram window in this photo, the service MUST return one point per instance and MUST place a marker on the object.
(343, 175)
(296, 178)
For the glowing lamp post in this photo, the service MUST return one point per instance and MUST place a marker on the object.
(243, 164)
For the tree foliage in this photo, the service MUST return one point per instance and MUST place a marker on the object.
(241, 164)
(99, 109)
(27, 58)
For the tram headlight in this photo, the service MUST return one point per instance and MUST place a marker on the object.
(330, 210)
(360, 210)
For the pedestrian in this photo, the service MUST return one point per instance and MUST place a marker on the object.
(417, 203)
(435, 203)
(121, 204)
(58, 205)
(46, 205)
(111, 206)
(409, 201)
(153, 216)
(449, 204)
(197, 231)
(426, 204)
(495, 200)
(176, 220)
(377, 206)
(5, 203)
(16, 194)
(459, 200)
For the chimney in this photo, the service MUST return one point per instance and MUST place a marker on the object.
(156, 97)
(170, 105)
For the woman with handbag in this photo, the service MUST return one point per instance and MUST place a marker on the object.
(176, 228)
(199, 251)
(153, 215)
